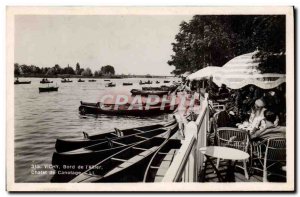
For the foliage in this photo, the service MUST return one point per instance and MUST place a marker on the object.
(87, 72)
(214, 40)
(107, 70)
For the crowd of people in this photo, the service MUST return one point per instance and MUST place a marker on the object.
(262, 112)
(259, 111)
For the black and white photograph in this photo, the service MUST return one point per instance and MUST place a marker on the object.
(150, 99)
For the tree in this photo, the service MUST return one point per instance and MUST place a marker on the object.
(87, 72)
(78, 70)
(214, 40)
(68, 70)
(16, 70)
(107, 70)
(57, 69)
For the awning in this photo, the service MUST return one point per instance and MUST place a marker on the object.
(243, 70)
(186, 74)
(204, 73)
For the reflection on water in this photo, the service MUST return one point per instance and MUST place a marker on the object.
(40, 118)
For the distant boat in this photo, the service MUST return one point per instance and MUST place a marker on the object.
(111, 84)
(66, 81)
(92, 80)
(45, 81)
(22, 82)
(146, 82)
(166, 81)
(80, 80)
(106, 79)
(127, 84)
(48, 89)
(157, 82)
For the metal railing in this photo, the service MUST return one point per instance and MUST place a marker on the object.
(188, 162)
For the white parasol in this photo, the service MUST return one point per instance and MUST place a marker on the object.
(243, 70)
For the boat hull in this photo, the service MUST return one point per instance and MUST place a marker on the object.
(48, 89)
(134, 160)
(161, 160)
(141, 111)
(82, 162)
(149, 92)
(63, 145)
(22, 82)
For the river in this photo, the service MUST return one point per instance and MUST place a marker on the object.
(41, 118)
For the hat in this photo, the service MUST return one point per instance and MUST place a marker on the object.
(259, 103)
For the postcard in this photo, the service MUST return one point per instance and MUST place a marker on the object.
(150, 99)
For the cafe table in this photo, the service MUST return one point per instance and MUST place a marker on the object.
(226, 153)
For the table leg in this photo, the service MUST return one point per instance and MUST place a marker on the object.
(230, 172)
(215, 169)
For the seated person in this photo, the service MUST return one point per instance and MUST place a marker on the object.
(223, 92)
(256, 115)
(267, 128)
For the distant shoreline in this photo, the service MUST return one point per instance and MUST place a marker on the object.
(98, 77)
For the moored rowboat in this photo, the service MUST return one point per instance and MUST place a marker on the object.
(148, 92)
(90, 155)
(127, 165)
(63, 145)
(83, 162)
(161, 160)
(127, 109)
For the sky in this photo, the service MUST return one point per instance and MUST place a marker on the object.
(132, 44)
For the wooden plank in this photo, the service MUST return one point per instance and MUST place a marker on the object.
(117, 159)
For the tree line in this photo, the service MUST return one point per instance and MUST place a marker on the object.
(214, 40)
(56, 70)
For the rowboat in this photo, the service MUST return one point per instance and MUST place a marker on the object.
(48, 89)
(22, 82)
(161, 88)
(65, 174)
(166, 81)
(146, 82)
(111, 84)
(90, 155)
(66, 81)
(127, 84)
(80, 80)
(45, 81)
(92, 80)
(128, 165)
(148, 92)
(161, 160)
(135, 110)
(63, 145)
(157, 82)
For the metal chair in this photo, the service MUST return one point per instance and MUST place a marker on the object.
(275, 152)
(234, 138)
(213, 129)
(219, 107)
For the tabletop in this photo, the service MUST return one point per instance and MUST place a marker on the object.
(224, 153)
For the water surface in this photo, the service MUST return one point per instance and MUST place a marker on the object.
(41, 118)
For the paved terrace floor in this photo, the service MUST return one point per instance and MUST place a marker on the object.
(239, 176)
